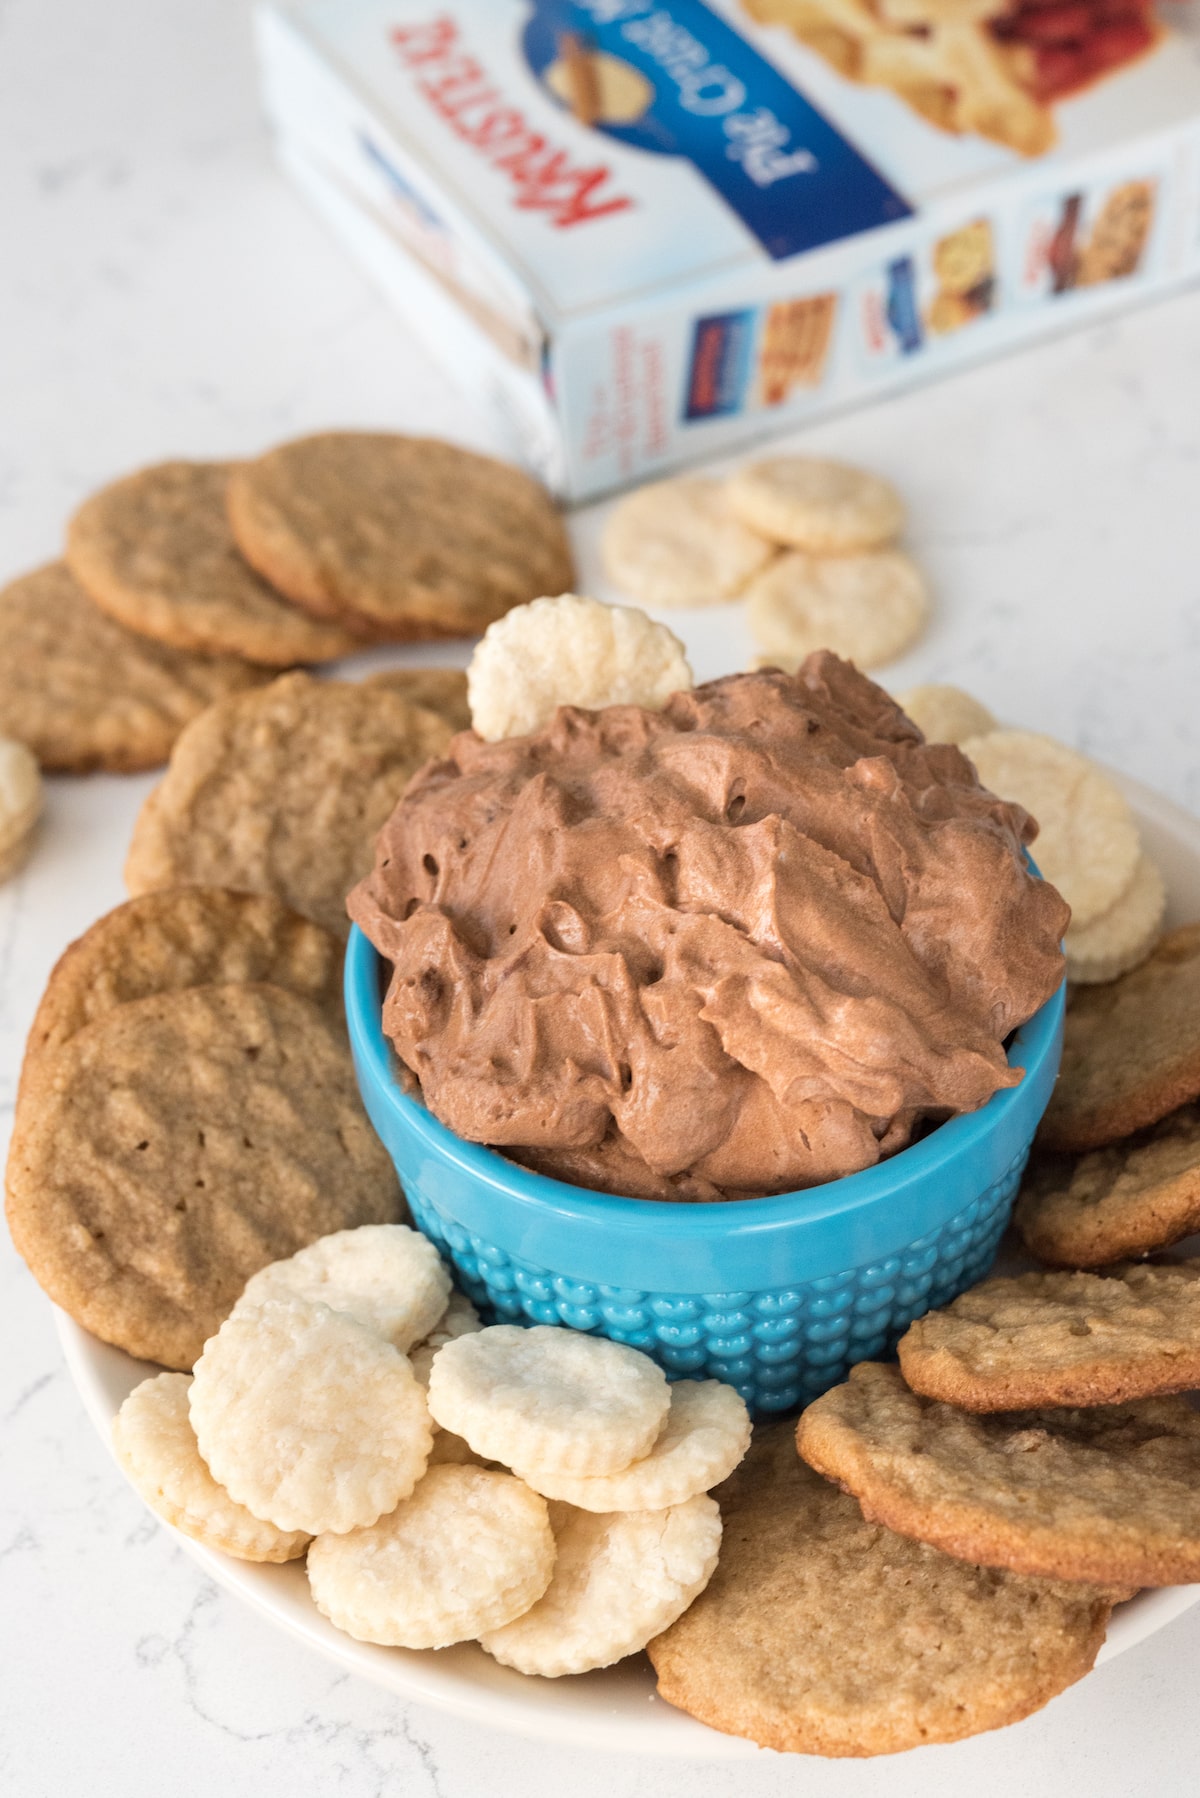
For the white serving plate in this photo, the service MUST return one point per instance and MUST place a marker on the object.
(617, 1708)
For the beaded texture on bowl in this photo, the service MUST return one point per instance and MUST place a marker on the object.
(779, 1348)
(778, 1297)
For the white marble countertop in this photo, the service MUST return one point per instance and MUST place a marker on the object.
(162, 292)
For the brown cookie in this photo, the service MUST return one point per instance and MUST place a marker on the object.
(86, 693)
(282, 791)
(440, 690)
(1132, 1049)
(1133, 1198)
(184, 937)
(404, 537)
(1060, 1339)
(1110, 1494)
(178, 1144)
(820, 1633)
(156, 553)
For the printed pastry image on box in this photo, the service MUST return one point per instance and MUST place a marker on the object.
(644, 232)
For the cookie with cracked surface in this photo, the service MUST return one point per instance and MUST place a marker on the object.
(282, 791)
(1131, 1051)
(1132, 1198)
(1110, 1494)
(827, 508)
(182, 937)
(869, 607)
(1060, 1339)
(403, 537)
(1087, 842)
(155, 552)
(676, 543)
(84, 693)
(179, 1143)
(822, 1633)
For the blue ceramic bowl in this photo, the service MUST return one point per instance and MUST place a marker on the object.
(777, 1296)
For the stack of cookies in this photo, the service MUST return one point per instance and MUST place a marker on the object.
(1026, 1467)
(809, 544)
(192, 581)
(187, 1113)
(1116, 1168)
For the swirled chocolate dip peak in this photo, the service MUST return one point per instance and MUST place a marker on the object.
(741, 945)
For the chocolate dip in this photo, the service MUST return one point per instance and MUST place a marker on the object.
(734, 947)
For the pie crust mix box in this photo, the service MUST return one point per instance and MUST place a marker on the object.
(644, 231)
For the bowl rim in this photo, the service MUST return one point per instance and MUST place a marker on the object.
(1007, 1113)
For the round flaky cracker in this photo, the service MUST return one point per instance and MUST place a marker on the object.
(1137, 1196)
(1087, 842)
(620, 1579)
(826, 508)
(176, 1145)
(155, 1444)
(402, 536)
(570, 651)
(440, 690)
(307, 1418)
(468, 1552)
(459, 1318)
(282, 791)
(705, 1436)
(1131, 1051)
(183, 937)
(676, 543)
(388, 1277)
(20, 801)
(1060, 1339)
(946, 714)
(1110, 1494)
(549, 1398)
(1122, 937)
(83, 692)
(869, 608)
(156, 553)
(820, 1633)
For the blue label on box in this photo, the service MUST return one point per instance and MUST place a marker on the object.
(677, 80)
(903, 313)
(720, 366)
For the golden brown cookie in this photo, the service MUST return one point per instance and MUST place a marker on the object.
(156, 553)
(820, 1633)
(1110, 1494)
(1060, 1339)
(21, 799)
(178, 1144)
(85, 693)
(282, 791)
(1130, 1199)
(184, 937)
(404, 537)
(1132, 1050)
(440, 690)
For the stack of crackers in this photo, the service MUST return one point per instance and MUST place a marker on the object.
(1088, 844)
(809, 544)
(190, 582)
